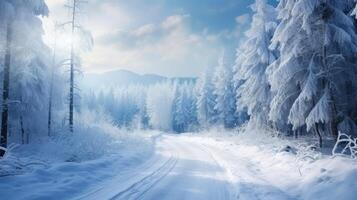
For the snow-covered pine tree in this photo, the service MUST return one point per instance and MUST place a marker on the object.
(252, 61)
(191, 108)
(141, 118)
(225, 101)
(185, 112)
(313, 77)
(27, 60)
(32, 69)
(6, 18)
(125, 105)
(159, 104)
(337, 74)
(282, 74)
(179, 121)
(206, 113)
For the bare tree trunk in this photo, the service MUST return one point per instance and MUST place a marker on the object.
(22, 130)
(327, 82)
(28, 137)
(334, 122)
(71, 89)
(318, 133)
(49, 121)
(6, 87)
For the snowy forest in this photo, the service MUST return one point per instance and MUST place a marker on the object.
(291, 91)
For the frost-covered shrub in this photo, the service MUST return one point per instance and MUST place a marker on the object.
(95, 136)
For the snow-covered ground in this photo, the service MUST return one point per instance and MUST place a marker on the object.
(212, 165)
(63, 170)
(262, 167)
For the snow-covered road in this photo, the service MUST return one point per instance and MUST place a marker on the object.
(191, 167)
(194, 167)
(180, 169)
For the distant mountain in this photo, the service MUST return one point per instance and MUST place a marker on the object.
(124, 78)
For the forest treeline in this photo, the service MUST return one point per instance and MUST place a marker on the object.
(294, 73)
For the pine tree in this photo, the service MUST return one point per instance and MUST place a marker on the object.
(206, 113)
(26, 55)
(253, 89)
(185, 111)
(317, 43)
(159, 104)
(179, 119)
(191, 108)
(6, 22)
(225, 104)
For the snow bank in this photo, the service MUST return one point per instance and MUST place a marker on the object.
(330, 179)
(263, 166)
(71, 162)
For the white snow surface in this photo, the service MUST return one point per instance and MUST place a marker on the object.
(63, 170)
(211, 165)
(260, 168)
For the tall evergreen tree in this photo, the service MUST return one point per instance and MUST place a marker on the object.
(225, 101)
(26, 58)
(206, 113)
(159, 104)
(185, 113)
(179, 122)
(6, 10)
(252, 61)
(315, 71)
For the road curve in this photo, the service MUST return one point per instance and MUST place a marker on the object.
(179, 169)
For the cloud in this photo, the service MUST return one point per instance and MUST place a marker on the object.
(243, 19)
(147, 29)
(174, 21)
(169, 47)
(145, 39)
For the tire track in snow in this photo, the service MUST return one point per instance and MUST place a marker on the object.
(138, 189)
(228, 172)
(93, 194)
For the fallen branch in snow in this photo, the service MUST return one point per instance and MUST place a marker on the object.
(7, 151)
(349, 146)
(10, 165)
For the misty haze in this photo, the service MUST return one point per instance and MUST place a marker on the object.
(178, 99)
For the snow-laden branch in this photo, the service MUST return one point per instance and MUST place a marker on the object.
(348, 144)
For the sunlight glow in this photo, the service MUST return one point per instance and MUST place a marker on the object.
(59, 35)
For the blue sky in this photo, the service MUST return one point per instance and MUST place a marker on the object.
(167, 37)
